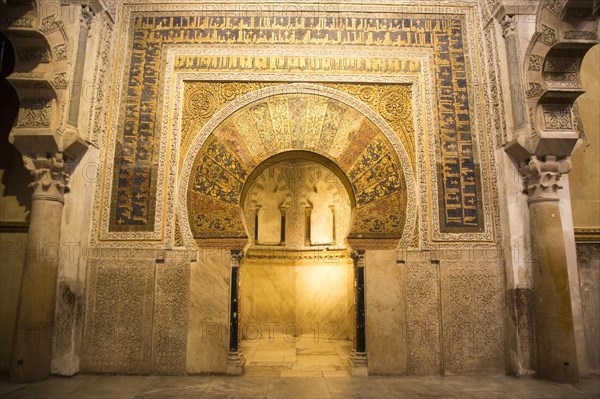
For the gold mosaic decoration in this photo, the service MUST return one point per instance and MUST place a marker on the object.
(392, 101)
(285, 122)
(132, 206)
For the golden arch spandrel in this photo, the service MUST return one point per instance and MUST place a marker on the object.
(304, 117)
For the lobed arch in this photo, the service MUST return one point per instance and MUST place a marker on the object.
(226, 153)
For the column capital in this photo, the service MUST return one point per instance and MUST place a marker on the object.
(359, 257)
(87, 14)
(236, 257)
(509, 26)
(51, 177)
(542, 177)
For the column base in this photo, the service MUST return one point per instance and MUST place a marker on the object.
(235, 363)
(357, 364)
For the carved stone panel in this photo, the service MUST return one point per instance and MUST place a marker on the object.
(423, 314)
(118, 325)
(169, 336)
(473, 312)
(557, 116)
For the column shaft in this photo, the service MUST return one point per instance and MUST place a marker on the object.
(31, 355)
(555, 333)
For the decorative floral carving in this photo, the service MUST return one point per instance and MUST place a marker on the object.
(35, 113)
(580, 34)
(535, 62)
(60, 52)
(50, 177)
(170, 320)
(534, 90)
(21, 22)
(33, 55)
(548, 35)
(50, 24)
(60, 80)
(552, 5)
(557, 116)
(562, 64)
(541, 177)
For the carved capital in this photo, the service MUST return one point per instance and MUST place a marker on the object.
(50, 175)
(509, 27)
(359, 257)
(542, 177)
(236, 257)
(87, 14)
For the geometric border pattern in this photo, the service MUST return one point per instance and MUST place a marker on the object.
(431, 233)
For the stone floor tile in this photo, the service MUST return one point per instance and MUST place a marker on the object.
(207, 387)
(336, 373)
(304, 387)
(53, 387)
(282, 382)
(363, 387)
(114, 387)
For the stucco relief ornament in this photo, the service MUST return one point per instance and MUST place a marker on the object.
(542, 177)
(50, 177)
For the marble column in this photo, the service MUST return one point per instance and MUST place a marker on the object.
(358, 358)
(32, 347)
(235, 358)
(555, 334)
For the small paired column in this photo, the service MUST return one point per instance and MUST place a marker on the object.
(235, 358)
(358, 358)
(557, 358)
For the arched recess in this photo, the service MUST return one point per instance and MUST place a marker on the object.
(291, 117)
(293, 185)
(565, 31)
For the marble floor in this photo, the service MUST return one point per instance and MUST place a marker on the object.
(304, 356)
(271, 386)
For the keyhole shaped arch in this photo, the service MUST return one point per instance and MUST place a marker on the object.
(373, 159)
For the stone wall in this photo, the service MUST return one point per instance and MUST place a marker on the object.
(155, 312)
(207, 341)
(435, 312)
(588, 256)
(309, 299)
(15, 204)
(136, 312)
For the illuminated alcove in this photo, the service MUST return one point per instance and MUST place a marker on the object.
(296, 292)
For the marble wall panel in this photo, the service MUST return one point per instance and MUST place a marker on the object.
(11, 271)
(588, 257)
(423, 317)
(169, 335)
(208, 324)
(119, 307)
(473, 310)
(385, 301)
(268, 298)
(286, 298)
(322, 300)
